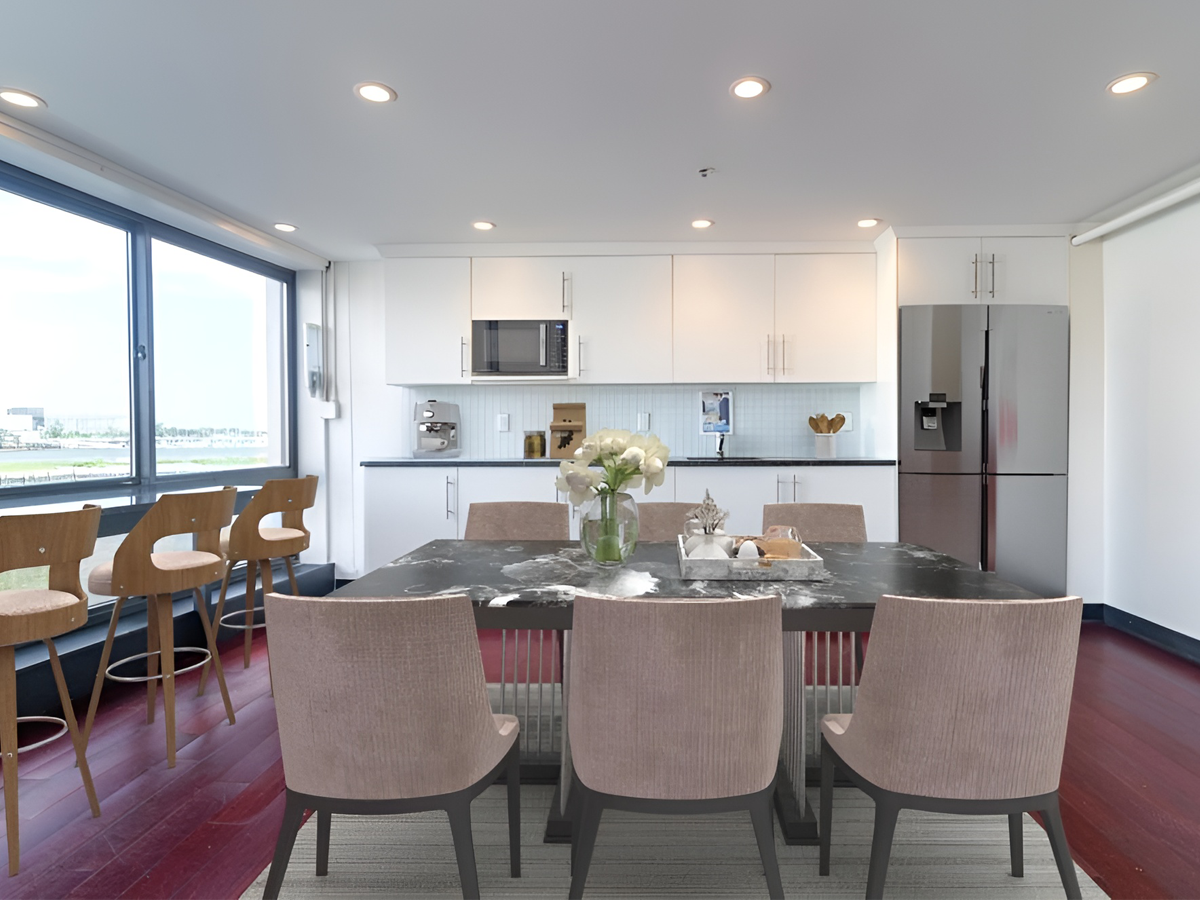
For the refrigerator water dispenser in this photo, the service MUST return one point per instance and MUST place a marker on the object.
(938, 424)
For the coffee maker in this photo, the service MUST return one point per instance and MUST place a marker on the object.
(436, 432)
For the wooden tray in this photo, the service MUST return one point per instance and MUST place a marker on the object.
(809, 567)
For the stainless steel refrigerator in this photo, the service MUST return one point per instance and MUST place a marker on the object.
(983, 438)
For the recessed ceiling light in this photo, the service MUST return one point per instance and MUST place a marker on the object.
(1134, 81)
(21, 98)
(374, 91)
(702, 223)
(750, 87)
(867, 223)
(284, 226)
(484, 226)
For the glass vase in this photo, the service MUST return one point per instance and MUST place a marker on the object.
(608, 528)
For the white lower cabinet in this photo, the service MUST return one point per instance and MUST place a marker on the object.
(487, 484)
(871, 487)
(405, 507)
(742, 490)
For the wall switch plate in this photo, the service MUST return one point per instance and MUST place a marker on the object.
(502, 421)
(849, 426)
(643, 421)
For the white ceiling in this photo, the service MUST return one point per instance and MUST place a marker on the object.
(573, 121)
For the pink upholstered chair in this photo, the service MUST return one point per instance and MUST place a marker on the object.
(517, 521)
(383, 709)
(819, 521)
(698, 732)
(962, 708)
(662, 521)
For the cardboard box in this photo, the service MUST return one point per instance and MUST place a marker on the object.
(568, 429)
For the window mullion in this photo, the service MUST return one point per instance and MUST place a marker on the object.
(142, 354)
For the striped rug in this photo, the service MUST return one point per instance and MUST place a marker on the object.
(651, 856)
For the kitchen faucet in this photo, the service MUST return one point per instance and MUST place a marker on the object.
(721, 447)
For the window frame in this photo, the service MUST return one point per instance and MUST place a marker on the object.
(141, 230)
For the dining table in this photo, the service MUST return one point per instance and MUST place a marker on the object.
(529, 586)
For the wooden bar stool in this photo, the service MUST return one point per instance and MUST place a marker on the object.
(138, 571)
(60, 541)
(247, 539)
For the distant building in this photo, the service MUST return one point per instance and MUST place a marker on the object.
(36, 414)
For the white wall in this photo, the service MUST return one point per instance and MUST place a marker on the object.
(1152, 421)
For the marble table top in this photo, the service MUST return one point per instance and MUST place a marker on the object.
(530, 584)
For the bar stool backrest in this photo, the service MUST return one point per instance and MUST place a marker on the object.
(676, 699)
(202, 513)
(58, 540)
(662, 521)
(965, 699)
(289, 496)
(843, 522)
(380, 699)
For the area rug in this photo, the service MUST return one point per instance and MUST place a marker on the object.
(933, 856)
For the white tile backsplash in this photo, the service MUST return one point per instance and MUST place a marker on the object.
(768, 419)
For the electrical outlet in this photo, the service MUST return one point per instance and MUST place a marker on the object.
(849, 426)
(643, 421)
(502, 421)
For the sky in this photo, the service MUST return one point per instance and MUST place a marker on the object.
(64, 324)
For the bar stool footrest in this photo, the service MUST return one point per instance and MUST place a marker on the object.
(62, 723)
(108, 673)
(225, 622)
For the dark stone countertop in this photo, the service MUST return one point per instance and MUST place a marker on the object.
(530, 584)
(461, 462)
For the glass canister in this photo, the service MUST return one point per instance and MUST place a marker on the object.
(535, 444)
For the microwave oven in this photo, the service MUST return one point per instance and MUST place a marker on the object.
(519, 347)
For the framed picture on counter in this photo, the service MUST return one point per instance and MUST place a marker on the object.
(716, 412)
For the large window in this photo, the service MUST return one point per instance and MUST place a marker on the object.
(132, 353)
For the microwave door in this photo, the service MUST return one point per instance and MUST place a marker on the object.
(521, 348)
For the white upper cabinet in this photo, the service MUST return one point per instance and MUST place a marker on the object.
(1028, 270)
(522, 287)
(1031, 270)
(427, 321)
(622, 307)
(724, 313)
(825, 317)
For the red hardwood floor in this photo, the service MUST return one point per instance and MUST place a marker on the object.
(1130, 789)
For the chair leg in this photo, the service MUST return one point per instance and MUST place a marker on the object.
(886, 813)
(251, 578)
(166, 645)
(764, 832)
(464, 846)
(293, 818)
(1016, 843)
(216, 627)
(8, 748)
(211, 641)
(152, 661)
(824, 831)
(324, 824)
(73, 727)
(584, 839)
(268, 577)
(287, 561)
(513, 777)
(105, 654)
(1062, 853)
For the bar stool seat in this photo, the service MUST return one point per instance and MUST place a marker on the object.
(40, 611)
(277, 538)
(100, 580)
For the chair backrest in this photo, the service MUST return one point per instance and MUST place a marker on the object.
(58, 540)
(819, 521)
(676, 699)
(379, 698)
(965, 699)
(517, 521)
(290, 496)
(662, 521)
(202, 513)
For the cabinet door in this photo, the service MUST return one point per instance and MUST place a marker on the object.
(825, 317)
(1026, 270)
(940, 270)
(405, 507)
(724, 317)
(521, 287)
(742, 490)
(427, 321)
(872, 487)
(622, 307)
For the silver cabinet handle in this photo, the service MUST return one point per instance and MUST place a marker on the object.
(975, 275)
(449, 511)
(783, 357)
(564, 292)
(770, 346)
(462, 356)
(992, 263)
(580, 356)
